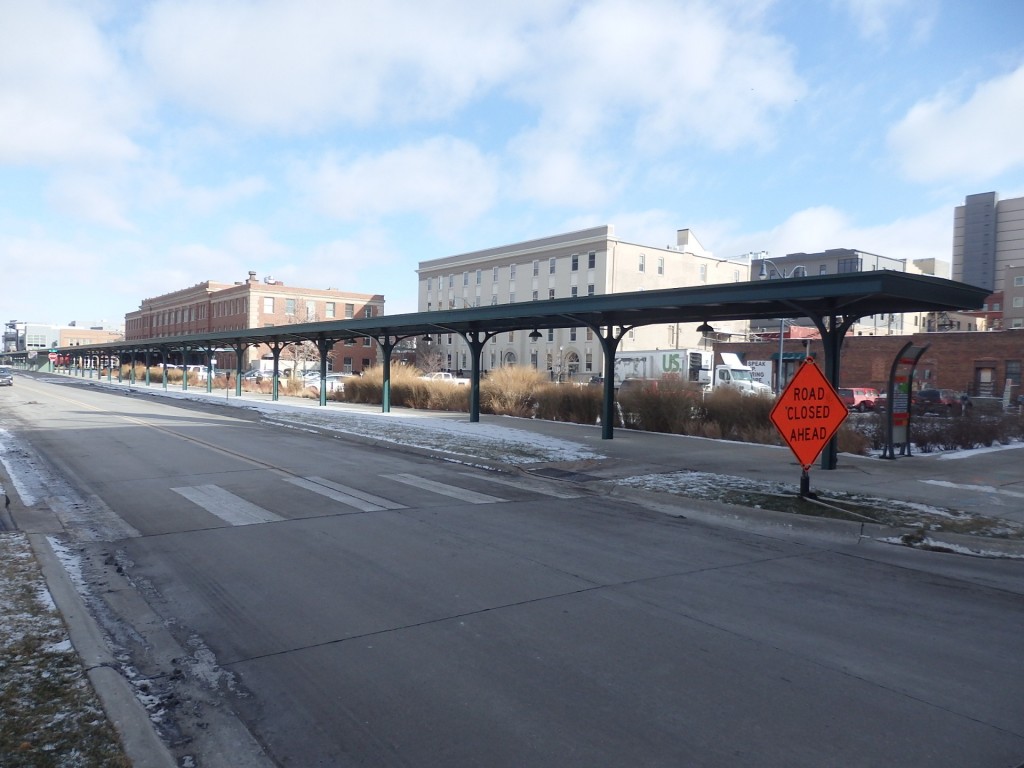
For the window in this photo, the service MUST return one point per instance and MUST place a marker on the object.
(822, 269)
(591, 260)
(511, 271)
(511, 297)
(573, 291)
(996, 306)
(1018, 301)
(368, 312)
(661, 265)
(479, 276)
(572, 334)
(511, 335)
(268, 305)
(451, 281)
(536, 268)
(551, 265)
(703, 273)
(366, 341)
(551, 336)
(535, 295)
(1013, 371)
(465, 278)
(848, 265)
(289, 307)
(428, 282)
(310, 310)
(494, 275)
(641, 262)
(590, 290)
(1018, 281)
(575, 262)
(551, 293)
(350, 311)
(329, 310)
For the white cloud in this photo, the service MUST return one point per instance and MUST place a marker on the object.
(162, 187)
(672, 72)
(876, 20)
(90, 198)
(63, 96)
(928, 235)
(448, 180)
(972, 140)
(298, 66)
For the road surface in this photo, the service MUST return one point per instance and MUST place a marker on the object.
(286, 598)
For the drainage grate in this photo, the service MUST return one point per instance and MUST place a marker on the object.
(563, 474)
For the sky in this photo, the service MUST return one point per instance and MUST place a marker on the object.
(146, 147)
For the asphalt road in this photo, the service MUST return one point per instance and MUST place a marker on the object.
(299, 600)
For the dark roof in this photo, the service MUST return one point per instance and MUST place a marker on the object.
(854, 295)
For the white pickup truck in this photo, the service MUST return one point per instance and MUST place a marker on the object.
(445, 376)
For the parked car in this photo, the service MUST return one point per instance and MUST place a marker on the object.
(859, 398)
(941, 401)
(6, 377)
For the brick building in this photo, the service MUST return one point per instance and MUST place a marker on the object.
(978, 363)
(252, 303)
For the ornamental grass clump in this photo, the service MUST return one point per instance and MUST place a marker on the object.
(512, 391)
(569, 403)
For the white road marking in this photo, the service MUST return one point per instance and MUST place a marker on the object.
(351, 497)
(530, 488)
(225, 505)
(447, 490)
(980, 488)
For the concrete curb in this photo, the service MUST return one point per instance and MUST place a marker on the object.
(138, 737)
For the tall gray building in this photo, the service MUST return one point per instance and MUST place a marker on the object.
(988, 237)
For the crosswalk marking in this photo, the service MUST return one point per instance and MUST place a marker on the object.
(225, 505)
(532, 489)
(352, 497)
(447, 490)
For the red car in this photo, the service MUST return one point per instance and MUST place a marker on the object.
(859, 398)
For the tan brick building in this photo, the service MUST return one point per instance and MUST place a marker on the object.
(254, 303)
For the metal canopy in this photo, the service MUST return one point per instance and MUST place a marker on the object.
(854, 295)
(832, 302)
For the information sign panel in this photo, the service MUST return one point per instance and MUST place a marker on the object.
(808, 413)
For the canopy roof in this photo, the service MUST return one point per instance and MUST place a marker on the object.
(847, 296)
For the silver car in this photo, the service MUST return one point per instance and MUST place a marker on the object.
(6, 377)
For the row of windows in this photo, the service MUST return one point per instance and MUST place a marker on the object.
(310, 307)
(534, 296)
(574, 333)
(477, 276)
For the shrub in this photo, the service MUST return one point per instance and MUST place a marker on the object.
(511, 390)
(735, 412)
(567, 402)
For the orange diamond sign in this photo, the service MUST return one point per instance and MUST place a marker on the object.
(808, 413)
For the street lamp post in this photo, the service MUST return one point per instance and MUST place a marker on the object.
(763, 275)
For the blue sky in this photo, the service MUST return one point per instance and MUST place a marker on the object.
(149, 146)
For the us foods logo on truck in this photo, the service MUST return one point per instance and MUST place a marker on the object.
(692, 365)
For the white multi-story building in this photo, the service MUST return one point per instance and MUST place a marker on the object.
(589, 262)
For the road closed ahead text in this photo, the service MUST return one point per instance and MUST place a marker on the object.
(808, 413)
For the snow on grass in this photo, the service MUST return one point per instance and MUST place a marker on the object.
(450, 434)
(51, 716)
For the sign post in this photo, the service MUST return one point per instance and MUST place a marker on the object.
(807, 414)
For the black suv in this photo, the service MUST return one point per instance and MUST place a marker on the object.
(942, 401)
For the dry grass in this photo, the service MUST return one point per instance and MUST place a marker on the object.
(512, 391)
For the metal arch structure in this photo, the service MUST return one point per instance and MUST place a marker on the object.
(832, 302)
